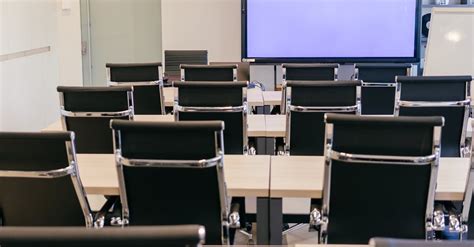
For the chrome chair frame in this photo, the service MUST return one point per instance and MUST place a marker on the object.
(210, 66)
(283, 85)
(111, 83)
(72, 171)
(463, 218)
(217, 162)
(65, 113)
(357, 108)
(464, 150)
(330, 154)
(242, 108)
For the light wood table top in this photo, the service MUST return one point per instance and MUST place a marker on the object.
(254, 96)
(275, 125)
(302, 176)
(272, 97)
(244, 175)
(256, 126)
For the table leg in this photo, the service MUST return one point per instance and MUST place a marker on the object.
(270, 146)
(276, 221)
(263, 220)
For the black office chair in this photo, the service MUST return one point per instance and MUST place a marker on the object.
(307, 102)
(146, 79)
(39, 181)
(378, 86)
(390, 242)
(215, 72)
(186, 235)
(310, 72)
(88, 110)
(174, 58)
(306, 72)
(226, 101)
(447, 96)
(172, 174)
(373, 163)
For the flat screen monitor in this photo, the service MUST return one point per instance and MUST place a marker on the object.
(331, 30)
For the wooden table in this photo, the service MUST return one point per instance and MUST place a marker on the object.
(303, 176)
(276, 126)
(254, 96)
(256, 126)
(245, 175)
(272, 97)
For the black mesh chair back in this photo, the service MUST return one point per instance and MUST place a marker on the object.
(39, 181)
(307, 102)
(215, 72)
(174, 59)
(306, 72)
(88, 110)
(225, 101)
(388, 242)
(447, 96)
(372, 165)
(310, 72)
(147, 236)
(378, 86)
(172, 174)
(146, 79)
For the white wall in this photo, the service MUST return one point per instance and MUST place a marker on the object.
(213, 25)
(28, 97)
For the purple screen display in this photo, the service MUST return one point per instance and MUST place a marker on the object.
(331, 28)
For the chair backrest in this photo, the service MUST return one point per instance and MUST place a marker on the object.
(88, 110)
(225, 101)
(174, 59)
(243, 69)
(372, 165)
(390, 242)
(447, 96)
(172, 174)
(310, 72)
(214, 72)
(39, 181)
(177, 236)
(380, 73)
(306, 72)
(378, 86)
(133, 72)
(146, 78)
(307, 102)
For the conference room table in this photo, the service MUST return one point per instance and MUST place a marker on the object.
(269, 178)
(256, 125)
(254, 96)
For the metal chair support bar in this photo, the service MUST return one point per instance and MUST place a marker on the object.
(382, 159)
(241, 108)
(434, 104)
(378, 84)
(323, 108)
(96, 114)
(137, 83)
(40, 174)
(204, 163)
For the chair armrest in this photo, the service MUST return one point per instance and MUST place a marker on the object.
(99, 219)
